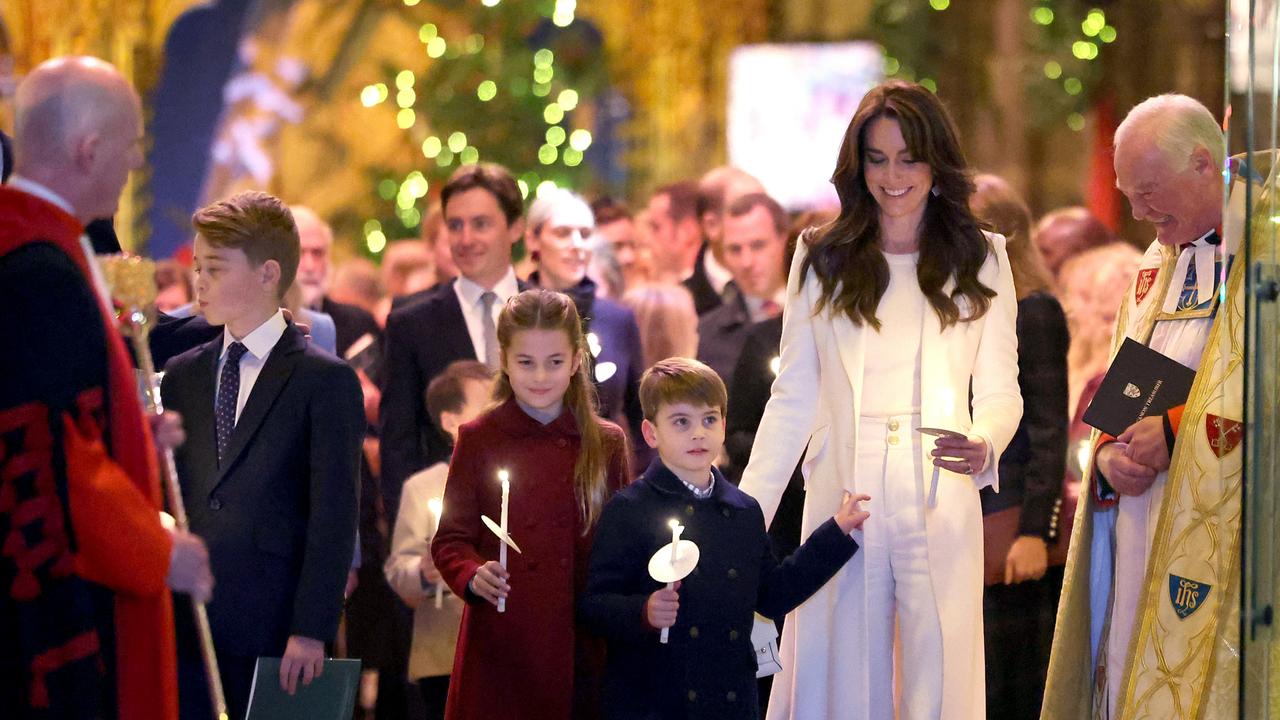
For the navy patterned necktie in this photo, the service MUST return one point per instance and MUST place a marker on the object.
(224, 409)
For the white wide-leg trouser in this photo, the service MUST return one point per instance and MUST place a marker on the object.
(898, 589)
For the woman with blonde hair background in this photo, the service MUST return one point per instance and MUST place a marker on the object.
(667, 319)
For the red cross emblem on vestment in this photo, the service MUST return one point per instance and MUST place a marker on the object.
(1224, 435)
(1146, 281)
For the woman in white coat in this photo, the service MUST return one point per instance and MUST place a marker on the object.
(900, 315)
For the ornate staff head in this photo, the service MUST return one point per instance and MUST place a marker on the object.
(132, 280)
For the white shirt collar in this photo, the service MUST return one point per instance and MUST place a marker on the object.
(260, 342)
(31, 187)
(1204, 256)
(700, 493)
(718, 275)
(470, 291)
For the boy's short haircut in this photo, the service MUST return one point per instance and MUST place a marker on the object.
(448, 391)
(680, 379)
(256, 223)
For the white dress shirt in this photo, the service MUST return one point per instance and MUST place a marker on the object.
(469, 295)
(700, 493)
(259, 344)
(718, 275)
(1184, 340)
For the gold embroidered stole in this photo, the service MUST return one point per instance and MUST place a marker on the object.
(1182, 660)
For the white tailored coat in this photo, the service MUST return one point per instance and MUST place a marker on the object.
(815, 400)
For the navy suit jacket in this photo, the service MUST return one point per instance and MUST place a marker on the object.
(721, 335)
(1032, 467)
(705, 297)
(749, 392)
(708, 669)
(351, 322)
(279, 514)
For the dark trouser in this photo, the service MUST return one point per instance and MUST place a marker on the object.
(193, 688)
(1018, 621)
(435, 690)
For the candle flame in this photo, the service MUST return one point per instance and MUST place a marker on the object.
(673, 524)
(775, 365)
(503, 475)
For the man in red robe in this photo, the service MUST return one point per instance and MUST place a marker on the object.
(86, 625)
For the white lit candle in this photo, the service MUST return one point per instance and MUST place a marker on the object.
(676, 529)
(505, 478)
(436, 506)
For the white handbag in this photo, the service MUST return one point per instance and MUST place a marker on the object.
(764, 636)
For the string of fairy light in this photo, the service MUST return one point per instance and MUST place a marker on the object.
(561, 145)
(1062, 78)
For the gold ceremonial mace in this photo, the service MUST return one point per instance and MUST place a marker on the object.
(133, 285)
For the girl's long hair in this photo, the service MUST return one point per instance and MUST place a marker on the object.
(541, 309)
(845, 255)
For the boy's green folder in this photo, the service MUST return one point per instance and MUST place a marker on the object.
(331, 696)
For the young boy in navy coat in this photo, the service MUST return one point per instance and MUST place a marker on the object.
(708, 667)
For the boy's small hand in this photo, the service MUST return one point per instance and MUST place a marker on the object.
(850, 517)
(490, 581)
(661, 608)
(430, 575)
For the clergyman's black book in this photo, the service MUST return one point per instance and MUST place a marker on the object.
(1139, 383)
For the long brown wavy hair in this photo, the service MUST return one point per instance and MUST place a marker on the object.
(541, 309)
(845, 255)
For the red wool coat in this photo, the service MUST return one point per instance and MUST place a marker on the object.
(533, 661)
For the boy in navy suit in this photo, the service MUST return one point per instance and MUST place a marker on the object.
(270, 469)
(708, 667)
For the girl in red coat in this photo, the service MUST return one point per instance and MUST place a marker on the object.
(532, 660)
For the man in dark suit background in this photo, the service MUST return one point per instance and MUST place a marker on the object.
(755, 243)
(316, 238)
(677, 243)
(270, 469)
(717, 189)
(456, 320)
